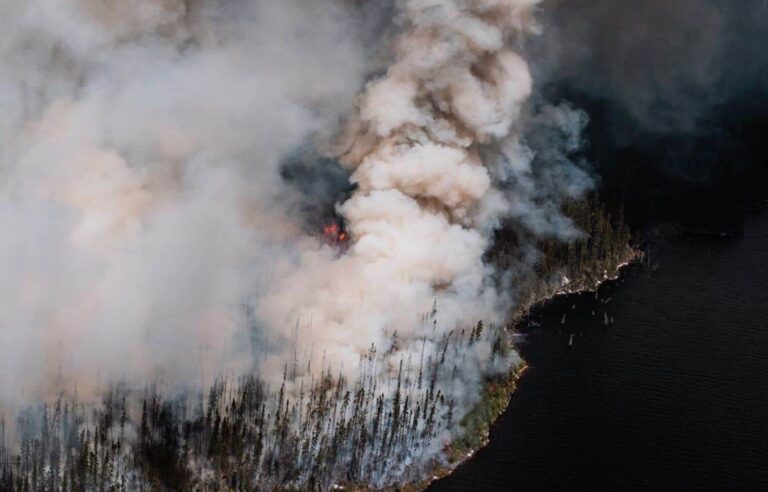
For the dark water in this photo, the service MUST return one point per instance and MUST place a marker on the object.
(672, 396)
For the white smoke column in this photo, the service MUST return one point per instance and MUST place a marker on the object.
(424, 207)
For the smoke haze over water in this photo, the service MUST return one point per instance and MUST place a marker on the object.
(675, 91)
(662, 67)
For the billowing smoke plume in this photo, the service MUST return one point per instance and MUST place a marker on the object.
(150, 236)
(439, 155)
(424, 204)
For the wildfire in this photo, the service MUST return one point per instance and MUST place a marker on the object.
(335, 235)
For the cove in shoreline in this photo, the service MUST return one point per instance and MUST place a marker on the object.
(669, 397)
(505, 392)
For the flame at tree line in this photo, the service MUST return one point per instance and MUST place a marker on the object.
(335, 235)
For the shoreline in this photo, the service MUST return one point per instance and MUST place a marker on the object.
(633, 258)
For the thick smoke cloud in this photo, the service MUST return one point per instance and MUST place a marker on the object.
(164, 164)
(424, 206)
(141, 195)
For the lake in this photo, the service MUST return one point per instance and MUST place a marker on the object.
(672, 395)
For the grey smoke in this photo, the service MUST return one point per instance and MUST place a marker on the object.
(139, 175)
(661, 66)
(162, 161)
(542, 168)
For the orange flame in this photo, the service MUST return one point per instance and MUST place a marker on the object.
(335, 235)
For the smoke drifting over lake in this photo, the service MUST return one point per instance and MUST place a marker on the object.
(662, 67)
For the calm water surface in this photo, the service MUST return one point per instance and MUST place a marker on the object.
(673, 395)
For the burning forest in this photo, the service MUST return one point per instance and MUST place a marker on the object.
(174, 318)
